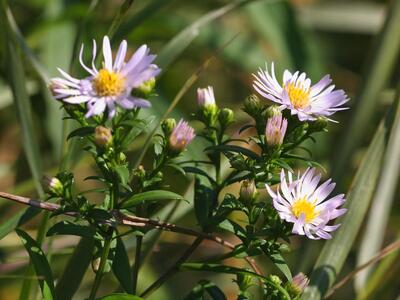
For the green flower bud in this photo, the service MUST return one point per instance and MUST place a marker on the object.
(244, 281)
(103, 136)
(319, 124)
(248, 191)
(168, 126)
(275, 279)
(146, 88)
(52, 185)
(272, 111)
(253, 105)
(225, 117)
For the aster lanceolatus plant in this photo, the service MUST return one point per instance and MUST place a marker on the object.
(112, 84)
(133, 195)
(296, 93)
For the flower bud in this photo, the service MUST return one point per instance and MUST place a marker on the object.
(168, 126)
(102, 136)
(319, 124)
(298, 284)
(272, 111)
(253, 105)
(52, 185)
(275, 130)
(146, 88)
(180, 137)
(208, 110)
(275, 279)
(248, 191)
(225, 117)
(205, 97)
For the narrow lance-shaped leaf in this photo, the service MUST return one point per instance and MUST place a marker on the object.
(40, 264)
(151, 196)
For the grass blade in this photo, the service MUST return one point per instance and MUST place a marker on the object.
(382, 201)
(359, 196)
(379, 69)
(182, 40)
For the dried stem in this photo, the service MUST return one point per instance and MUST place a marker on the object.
(129, 220)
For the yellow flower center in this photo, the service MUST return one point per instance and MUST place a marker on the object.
(298, 96)
(302, 206)
(108, 83)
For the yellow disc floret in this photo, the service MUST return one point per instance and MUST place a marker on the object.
(302, 206)
(298, 96)
(108, 83)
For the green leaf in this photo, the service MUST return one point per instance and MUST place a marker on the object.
(81, 132)
(335, 251)
(203, 202)
(75, 269)
(69, 228)
(234, 148)
(151, 196)
(280, 263)
(121, 267)
(40, 264)
(232, 270)
(120, 296)
(123, 174)
(17, 219)
(204, 286)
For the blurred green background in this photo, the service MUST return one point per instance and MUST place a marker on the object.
(336, 37)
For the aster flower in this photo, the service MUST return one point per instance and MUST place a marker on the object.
(112, 84)
(303, 204)
(275, 130)
(205, 97)
(297, 94)
(298, 284)
(181, 136)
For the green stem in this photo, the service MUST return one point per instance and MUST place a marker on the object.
(99, 273)
(135, 273)
(173, 269)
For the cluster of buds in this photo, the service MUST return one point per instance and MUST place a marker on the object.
(181, 136)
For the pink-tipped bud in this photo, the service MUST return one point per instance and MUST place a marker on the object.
(298, 284)
(180, 137)
(205, 97)
(275, 130)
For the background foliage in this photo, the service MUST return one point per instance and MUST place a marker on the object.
(356, 42)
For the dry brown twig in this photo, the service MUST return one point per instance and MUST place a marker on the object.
(130, 220)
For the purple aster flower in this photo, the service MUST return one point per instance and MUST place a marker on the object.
(205, 97)
(112, 84)
(303, 203)
(181, 136)
(275, 130)
(297, 94)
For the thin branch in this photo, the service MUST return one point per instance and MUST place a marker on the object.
(129, 220)
(381, 254)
